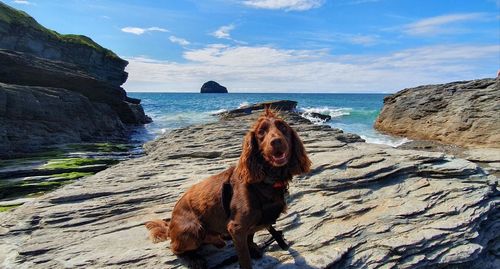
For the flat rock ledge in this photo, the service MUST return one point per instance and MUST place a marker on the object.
(362, 206)
(279, 105)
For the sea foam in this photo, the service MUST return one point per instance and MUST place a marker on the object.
(332, 112)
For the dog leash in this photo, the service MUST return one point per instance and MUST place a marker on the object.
(278, 237)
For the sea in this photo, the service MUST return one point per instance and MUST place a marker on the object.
(353, 113)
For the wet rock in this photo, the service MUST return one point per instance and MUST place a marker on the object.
(317, 116)
(321, 116)
(279, 105)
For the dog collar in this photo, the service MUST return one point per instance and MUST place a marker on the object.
(277, 184)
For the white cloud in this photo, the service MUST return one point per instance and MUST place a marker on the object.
(365, 40)
(22, 2)
(440, 24)
(140, 31)
(224, 31)
(320, 38)
(178, 40)
(246, 56)
(357, 2)
(264, 68)
(297, 5)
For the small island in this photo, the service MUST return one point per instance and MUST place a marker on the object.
(212, 87)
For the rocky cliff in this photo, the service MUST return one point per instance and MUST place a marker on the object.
(464, 113)
(58, 88)
(361, 206)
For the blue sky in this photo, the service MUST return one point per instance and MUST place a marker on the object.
(286, 45)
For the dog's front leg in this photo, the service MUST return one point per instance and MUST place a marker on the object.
(239, 233)
(255, 251)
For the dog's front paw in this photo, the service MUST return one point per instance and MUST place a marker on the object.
(255, 251)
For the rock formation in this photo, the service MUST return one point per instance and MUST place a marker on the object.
(464, 113)
(362, 206)
(58, 88)
(212, 87)
(317, 116)
(280, 105)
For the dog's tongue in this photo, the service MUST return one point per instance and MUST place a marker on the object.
(279, 158)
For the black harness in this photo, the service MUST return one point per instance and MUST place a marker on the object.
(270, 210)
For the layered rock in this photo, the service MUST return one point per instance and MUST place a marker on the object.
(41, 70)
(212, 87)
(362, 206)
(37, 116)
(464, 113)
(280, 105)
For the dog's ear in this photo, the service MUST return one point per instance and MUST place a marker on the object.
(250, 167)
(299, 162)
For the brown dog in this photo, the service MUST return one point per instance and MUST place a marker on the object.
(272, 154)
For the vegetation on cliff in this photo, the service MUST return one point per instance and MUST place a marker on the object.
(11, 16)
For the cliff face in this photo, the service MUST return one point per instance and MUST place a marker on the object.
(462, 113)
(20, 32)
(44, 68)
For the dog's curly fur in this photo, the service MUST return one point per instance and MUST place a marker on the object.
(272, 152)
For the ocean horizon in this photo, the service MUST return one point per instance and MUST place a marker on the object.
(350, 112)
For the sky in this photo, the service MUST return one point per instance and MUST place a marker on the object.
(356, 46)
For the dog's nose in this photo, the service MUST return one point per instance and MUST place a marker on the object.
(276, 142)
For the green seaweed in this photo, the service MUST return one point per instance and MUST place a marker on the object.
(31, 187)
(100, 147)
(33, 157)
(69, 163)
(72, 175)
(10, 15)
(38, 186)
(4, 208)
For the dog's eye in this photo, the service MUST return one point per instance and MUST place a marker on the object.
(281, 126)
(261, 132)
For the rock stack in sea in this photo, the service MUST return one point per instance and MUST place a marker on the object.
(212, 87)
(362, 206)
(58, 88)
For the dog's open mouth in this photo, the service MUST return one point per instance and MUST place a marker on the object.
(279, 159)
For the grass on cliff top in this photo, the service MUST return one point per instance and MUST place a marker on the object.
(10, 15)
